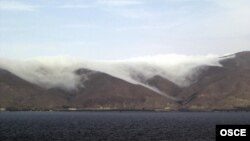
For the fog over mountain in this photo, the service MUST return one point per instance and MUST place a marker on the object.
(172, 82)
(51, 72)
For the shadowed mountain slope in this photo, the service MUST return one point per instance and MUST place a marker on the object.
(226, 87)
(100, 90)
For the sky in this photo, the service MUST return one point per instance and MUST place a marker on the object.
(119, 29)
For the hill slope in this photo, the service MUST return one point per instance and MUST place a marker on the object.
(101, 90)
(216, 88)
(226, 87)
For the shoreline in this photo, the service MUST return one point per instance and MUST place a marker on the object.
(125, 110)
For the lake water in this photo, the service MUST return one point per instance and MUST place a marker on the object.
(115, 126)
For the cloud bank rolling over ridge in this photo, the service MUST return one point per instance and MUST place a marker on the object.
(51, 72)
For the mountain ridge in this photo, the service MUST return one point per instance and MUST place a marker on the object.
(215, 88)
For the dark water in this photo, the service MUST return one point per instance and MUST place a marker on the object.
(115, 126)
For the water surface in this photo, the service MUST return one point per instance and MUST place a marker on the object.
(115, 126)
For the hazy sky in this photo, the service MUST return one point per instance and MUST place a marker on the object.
(118, 29)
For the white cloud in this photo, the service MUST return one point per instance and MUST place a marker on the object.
(81, 26)
(46, 72)
(146, 27)
(15, 6)
(59, 71)
(119, 2)
(101, 3)
(76, 6)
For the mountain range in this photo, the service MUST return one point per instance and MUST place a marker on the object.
(225, 87)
